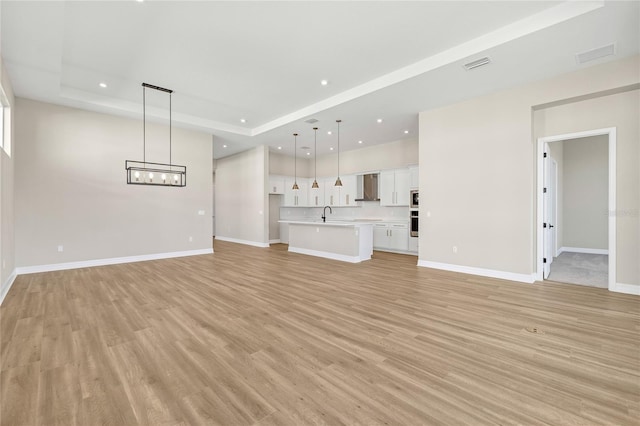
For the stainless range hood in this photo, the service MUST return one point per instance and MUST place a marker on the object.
(368, 187)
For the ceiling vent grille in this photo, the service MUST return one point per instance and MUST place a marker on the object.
(597, 53)
(311, 121)
(477, 63)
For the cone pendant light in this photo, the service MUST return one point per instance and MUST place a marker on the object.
(338, 181)
(295, 162)
(315, 158)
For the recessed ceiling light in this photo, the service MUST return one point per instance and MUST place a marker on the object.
(243, 120)
(331, 148)
(359, 141)
(103, 85)
(279, 147)
(324, 82)
(224, 146)
(139, 1)
(308, 153)
(329, 132)
(406, 131)
(379, 120)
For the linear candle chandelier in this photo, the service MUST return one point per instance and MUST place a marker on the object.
(158, 174)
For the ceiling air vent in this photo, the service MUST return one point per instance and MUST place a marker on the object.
(311, 121)
(477, 63)
(597, 53)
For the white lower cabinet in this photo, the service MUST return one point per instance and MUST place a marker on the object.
(391, 236)
(380, 235)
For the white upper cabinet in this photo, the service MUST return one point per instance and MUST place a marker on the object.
(276, 184)
(331, 192)
(326, 195)
(414, 177)
(348, 191)
(296, 197)
(316, 195)
(340, 196)
(394, 187)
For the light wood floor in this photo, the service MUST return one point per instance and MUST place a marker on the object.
(261, 336)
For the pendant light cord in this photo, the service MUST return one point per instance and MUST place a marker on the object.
(338, 121)
(144, 125)
(338, 148)
(170, 163)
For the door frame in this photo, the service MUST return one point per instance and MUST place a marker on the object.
(611, 133)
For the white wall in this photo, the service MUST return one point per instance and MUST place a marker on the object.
(71, 190)
(586, 195)
(242, 200)
(477, 172)
(7, 218)
(620, 110)
(280, 164)
(391, 155)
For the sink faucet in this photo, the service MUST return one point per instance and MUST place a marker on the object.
(324, 213)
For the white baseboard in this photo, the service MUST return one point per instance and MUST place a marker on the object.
(511, 276)
(109, 261)
(7, 285)
(412, 253)
(582, 250)
(327, 255)
(627, 289)
(274, 241)
(246, 242)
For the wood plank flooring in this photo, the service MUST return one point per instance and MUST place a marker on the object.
(251, 336)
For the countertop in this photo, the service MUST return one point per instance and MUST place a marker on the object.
(329, 222)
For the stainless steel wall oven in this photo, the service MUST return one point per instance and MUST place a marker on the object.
(414, 222)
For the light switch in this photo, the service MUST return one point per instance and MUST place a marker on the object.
(201, 212)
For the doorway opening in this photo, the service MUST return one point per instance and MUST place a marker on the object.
(576, 193)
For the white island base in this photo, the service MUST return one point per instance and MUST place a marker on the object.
(346, 241)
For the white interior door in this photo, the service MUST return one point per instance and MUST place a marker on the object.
(546, 197)
(553, 201)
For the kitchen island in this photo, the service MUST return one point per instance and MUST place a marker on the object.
(348, 241)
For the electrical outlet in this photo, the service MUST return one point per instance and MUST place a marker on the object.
(200, 212)
(190, 239)
(455, 249)
(60, 248)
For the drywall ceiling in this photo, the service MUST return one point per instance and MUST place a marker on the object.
(263, 61)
